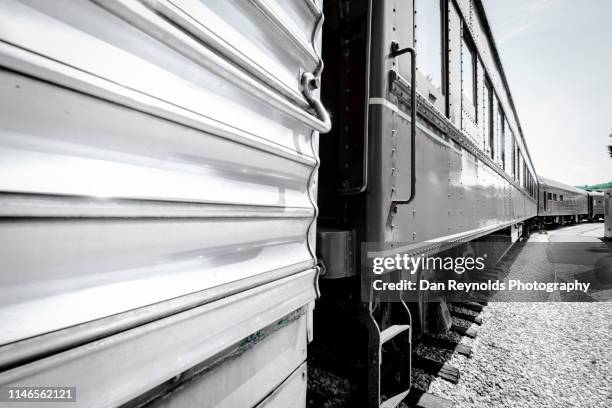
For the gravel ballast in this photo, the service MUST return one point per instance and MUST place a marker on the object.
(536, 355)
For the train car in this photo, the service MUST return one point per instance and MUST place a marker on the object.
(158, 168)
(596, 206)
(560, 203)
(608, 214)
(426, 152)
(167, 221)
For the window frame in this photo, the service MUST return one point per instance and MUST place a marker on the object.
(491, 136)
(444, 47)
(502, 136)
(471, 46)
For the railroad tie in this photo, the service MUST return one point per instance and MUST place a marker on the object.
(474, 306)
(467, 317)
(442, 370)
(447, 345)
(465, 331)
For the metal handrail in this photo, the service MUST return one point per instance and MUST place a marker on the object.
(395, 52)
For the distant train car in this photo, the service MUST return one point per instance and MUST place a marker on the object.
(596, 206)
(561, 203)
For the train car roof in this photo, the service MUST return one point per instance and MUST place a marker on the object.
(557, 184)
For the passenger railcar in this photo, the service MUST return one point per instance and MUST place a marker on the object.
(596, 206)
(560, 203)
(158, 167)
(420, 157)
(163, 196)
(608, 214)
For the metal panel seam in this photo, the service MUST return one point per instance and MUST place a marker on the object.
(41, 67)
(151, 23)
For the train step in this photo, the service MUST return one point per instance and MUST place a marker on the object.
(467, 317)
(442, 370)
(447, 345)
(465, 331)
(376, 339)
(421, 399)
(392, 331)
(395, 400)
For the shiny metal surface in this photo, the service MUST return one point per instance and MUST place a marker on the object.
(157, 158)
(116, 369)
(338, 249)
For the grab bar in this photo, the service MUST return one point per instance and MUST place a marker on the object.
(395, 52)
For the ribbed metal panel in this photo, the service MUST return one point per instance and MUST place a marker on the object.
(150, 151)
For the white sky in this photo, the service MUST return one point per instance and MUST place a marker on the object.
(557, 56)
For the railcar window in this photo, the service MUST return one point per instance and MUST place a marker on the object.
(429, 40)
(514, 147)
(555, 197)
(488, 120)
(550, 196)
(561, 197)
(468, 72)
(502, 137)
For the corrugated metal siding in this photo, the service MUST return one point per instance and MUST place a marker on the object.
(144, 157)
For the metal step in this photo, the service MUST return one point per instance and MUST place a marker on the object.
(421, 399)
(392, 331)
(395, 400)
